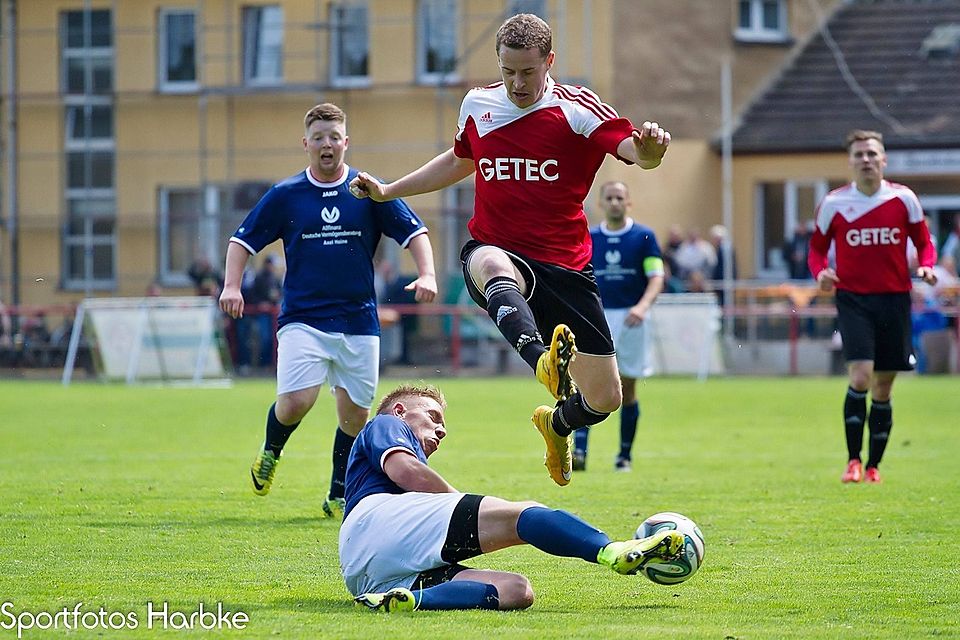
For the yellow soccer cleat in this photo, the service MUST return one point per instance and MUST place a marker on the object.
(333, 508)
(262, 472)
(397, 600)
(553, 367)
(559, 456)
(630, 556)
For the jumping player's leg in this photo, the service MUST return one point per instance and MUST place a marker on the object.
(283, 418)
(504, 288)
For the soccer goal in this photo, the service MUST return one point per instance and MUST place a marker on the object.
(149, 339)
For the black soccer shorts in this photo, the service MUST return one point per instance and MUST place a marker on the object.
(556, 296)
(877, 327)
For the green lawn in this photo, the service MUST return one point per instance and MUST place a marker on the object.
(117, 496)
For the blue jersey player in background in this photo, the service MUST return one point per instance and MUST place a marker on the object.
(629, 270)
(328, 327)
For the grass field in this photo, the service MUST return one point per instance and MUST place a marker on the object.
(117, 496)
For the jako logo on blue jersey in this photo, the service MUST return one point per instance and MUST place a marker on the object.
(330, 215)
(503, 312)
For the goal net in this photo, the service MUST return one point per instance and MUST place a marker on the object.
(149, 339)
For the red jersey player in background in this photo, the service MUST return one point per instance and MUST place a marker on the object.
(536, 146)
(869, 222)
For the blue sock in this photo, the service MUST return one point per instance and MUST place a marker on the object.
(560, 533)
(458, 594)
(580, 437)
(629, 415)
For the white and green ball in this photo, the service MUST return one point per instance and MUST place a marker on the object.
(691, 556)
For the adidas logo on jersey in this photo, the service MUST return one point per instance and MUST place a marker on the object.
(487, 118)
(503, 312)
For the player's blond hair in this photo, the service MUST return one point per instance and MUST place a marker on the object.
(525, 31)
(859, 135)
(327, 111)
(405, 391)
(609, 183)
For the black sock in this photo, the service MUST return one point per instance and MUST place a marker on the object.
(277, 433)
(341, 453)
(881, 421)
(574, 413)
(629, 415)
(854, 415)
(512, 315)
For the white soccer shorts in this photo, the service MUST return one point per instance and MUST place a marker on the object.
(634, 353)
(388, 540)
(307, 358)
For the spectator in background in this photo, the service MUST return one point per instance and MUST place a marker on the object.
(951, 246)
(266, 292)
(207, 281)
(796, 250)
(695, 254)
(674, 240)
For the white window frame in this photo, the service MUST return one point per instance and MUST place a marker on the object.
(267, 33)
(87, 239)
(423, 24)
(164, 84)
(336, 79)
(791, 215)
(756, 32)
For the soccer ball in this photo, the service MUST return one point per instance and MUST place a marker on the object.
(691, 556)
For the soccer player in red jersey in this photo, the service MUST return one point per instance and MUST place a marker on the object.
(536, 146)
(869, 221)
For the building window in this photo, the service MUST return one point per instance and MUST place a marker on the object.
(762, 21)
(780, 208)
(536, 7)
(263, 45)
(349, 44)
(178, 51)
(89, 239)
(194, 222)
(437, 41)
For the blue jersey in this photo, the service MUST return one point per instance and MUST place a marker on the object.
(365, 475)
(623, 262)
(329, 239)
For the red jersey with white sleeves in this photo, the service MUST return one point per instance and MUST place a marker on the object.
(870, 234)
(535, 166)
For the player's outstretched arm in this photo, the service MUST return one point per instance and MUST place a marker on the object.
(443, 171)
(231, 300)
(425, 286)
(645, 147)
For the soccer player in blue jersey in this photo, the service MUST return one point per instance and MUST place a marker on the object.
(406, 529)
(328, 327)
(629, 270)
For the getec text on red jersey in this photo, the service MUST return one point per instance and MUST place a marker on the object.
(520, 169)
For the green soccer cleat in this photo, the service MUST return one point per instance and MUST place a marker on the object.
(333, 508)
(262, 472)
(630, 556)
(553, 367)
(397, 600)
(559, 457)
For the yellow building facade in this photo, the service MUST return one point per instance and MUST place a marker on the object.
(137, 134)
